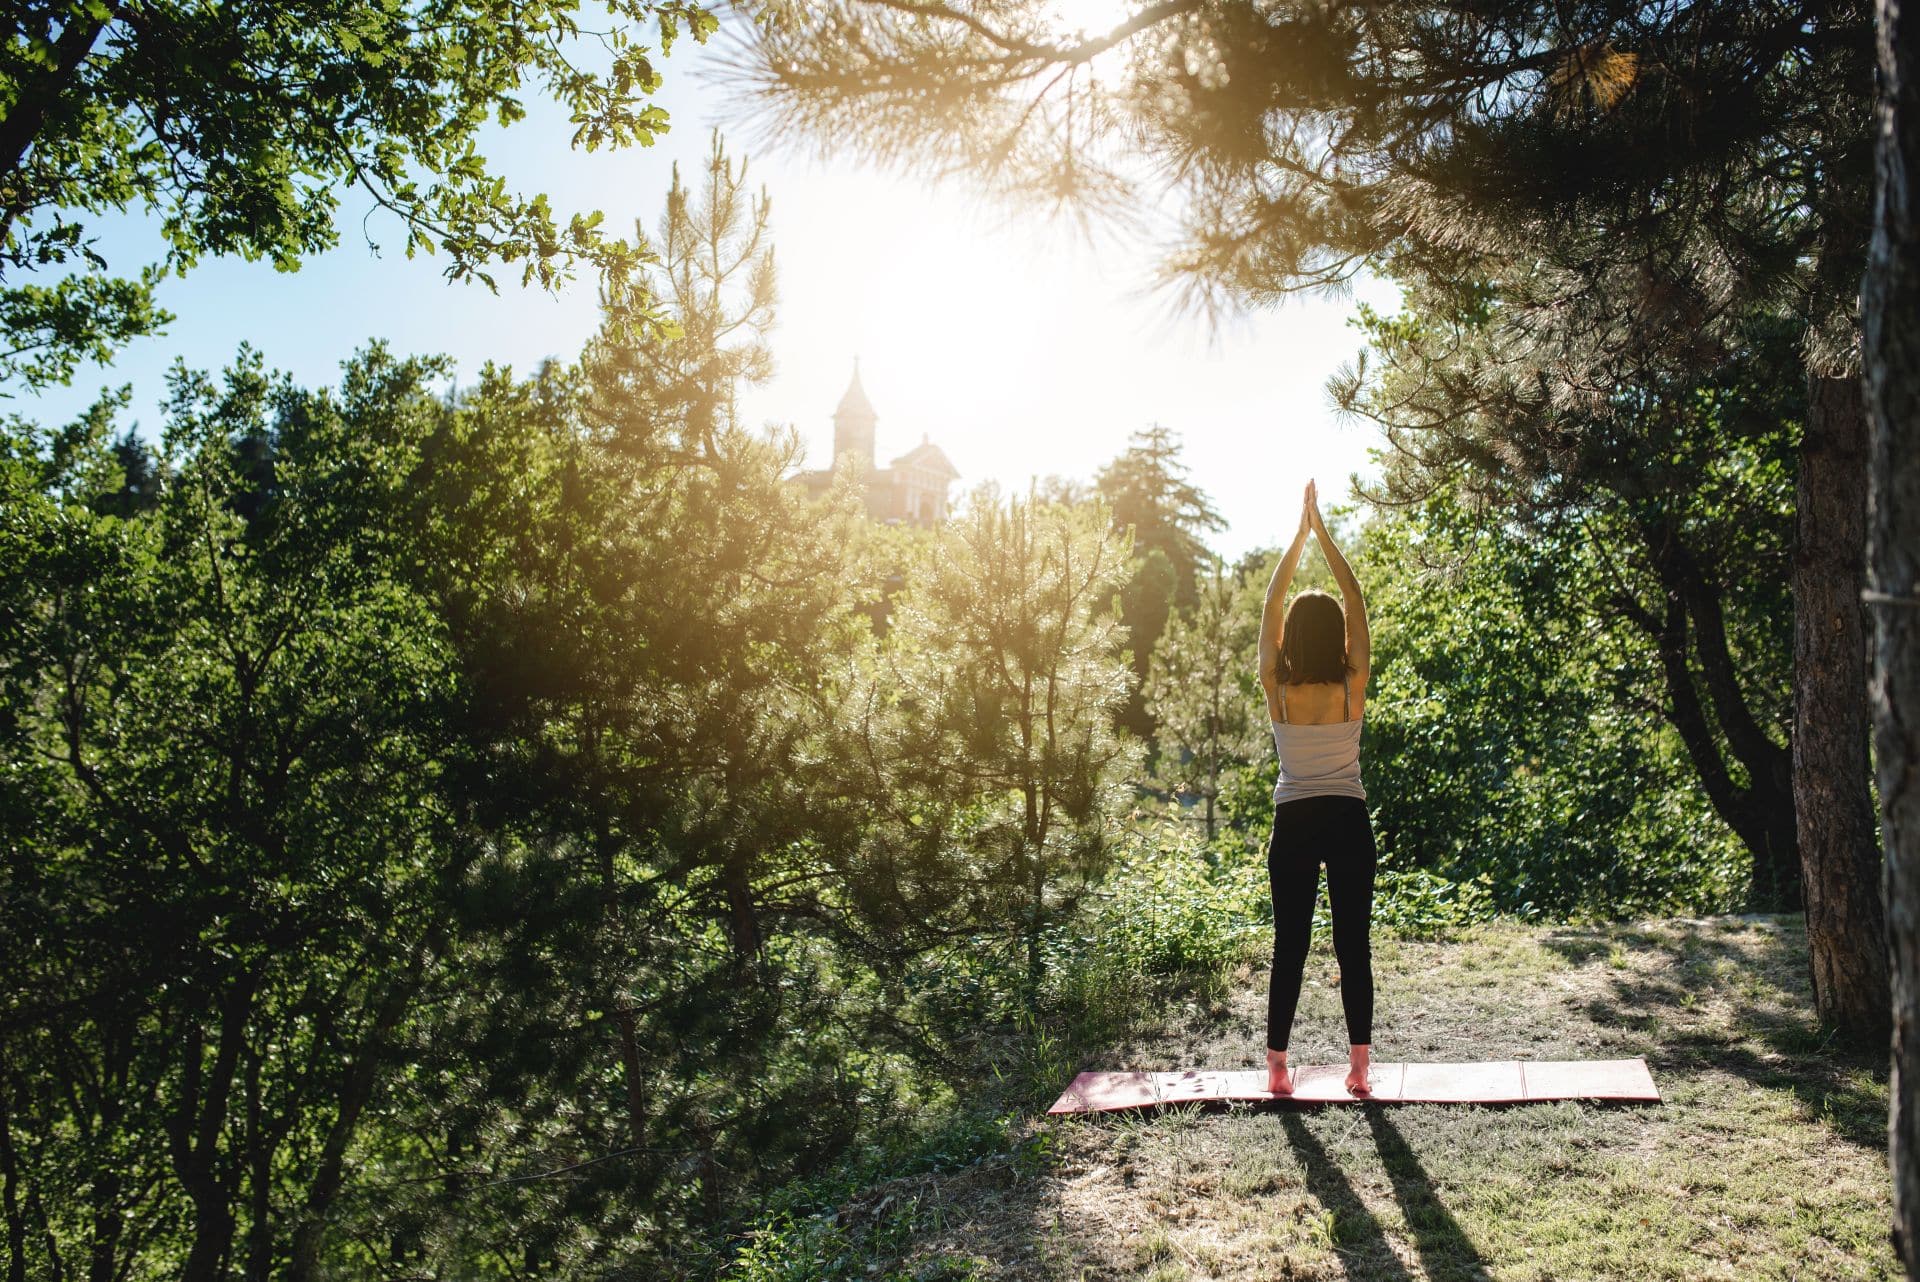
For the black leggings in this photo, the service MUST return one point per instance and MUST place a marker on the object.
(1306, 831)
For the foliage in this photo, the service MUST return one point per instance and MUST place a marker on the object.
(1174, 904)
(1509, 734)
(1681, 491)
(985, 723)
(1167, 515)
(1151, 494)
(506, 883)
(1201, 691)
(241, 125)
(651, 614)
(228, 843)
(411, 853)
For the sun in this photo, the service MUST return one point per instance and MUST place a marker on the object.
(1091, 19)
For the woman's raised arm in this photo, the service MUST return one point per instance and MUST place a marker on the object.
(1273, 613)
(1359, 640)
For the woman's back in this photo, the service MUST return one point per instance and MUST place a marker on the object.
(1318, 747)
(1313, 703)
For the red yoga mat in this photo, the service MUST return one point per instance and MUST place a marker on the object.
(1501, 1081)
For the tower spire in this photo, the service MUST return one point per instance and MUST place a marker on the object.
(853, 423)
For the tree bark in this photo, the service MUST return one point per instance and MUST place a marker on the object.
(1841, 868)
(626, 1025)
(9, 1188)
(742, 916)
(1890, 302)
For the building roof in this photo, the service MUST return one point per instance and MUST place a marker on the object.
(855, 403)
(929, 456)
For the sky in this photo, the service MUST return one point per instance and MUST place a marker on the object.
(1016, 345)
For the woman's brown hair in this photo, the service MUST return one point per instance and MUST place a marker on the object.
(1313, 640)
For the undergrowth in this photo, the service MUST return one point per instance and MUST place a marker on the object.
(1173, 917)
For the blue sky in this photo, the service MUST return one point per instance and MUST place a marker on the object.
(1015, 346)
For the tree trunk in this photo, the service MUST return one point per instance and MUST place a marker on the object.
(742, 916)
(630, 1068)
(625, 1024)
(1841, 870)
(1036, 923)
(198, 1124)
(1761, 813)
(9, 1188)
(1890, 302)
(356, 1089)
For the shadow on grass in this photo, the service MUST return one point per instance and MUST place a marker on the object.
(1813, 1061)
(1762, 1031)
(1444, 1248)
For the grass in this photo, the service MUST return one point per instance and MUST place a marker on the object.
(1767, 1158)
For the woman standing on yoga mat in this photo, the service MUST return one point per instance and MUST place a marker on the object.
(1314, 668)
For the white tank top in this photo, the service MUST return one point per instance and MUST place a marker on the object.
(1318, 761)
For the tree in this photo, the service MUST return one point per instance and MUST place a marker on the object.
(1147, 489)
(1680, 484)
(226, 850)
(648, 611)
(1891, 299)
(993, 702)
(242, 125)
(1670, 170)
(1516, 725)
(1145, 604)
(472, 820)
(1200, 690)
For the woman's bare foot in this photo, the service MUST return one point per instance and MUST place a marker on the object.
(1279, 1080)
(1357, 1059)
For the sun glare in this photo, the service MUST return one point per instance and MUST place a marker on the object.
(1023, 354)
(1090, 16)
(1091, 19)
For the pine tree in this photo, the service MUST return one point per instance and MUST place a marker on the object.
(1200, 689)
(1150, 493)
(999, 683)
(1151, 496)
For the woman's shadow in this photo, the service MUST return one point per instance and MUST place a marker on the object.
(1444, 1248)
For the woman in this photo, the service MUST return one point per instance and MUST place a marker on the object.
(1313, 666)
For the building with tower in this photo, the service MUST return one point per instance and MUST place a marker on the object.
(912, 490)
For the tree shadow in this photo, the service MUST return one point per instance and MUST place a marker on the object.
(1779, 1047)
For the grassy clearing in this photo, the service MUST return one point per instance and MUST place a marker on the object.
(1767, 1158)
